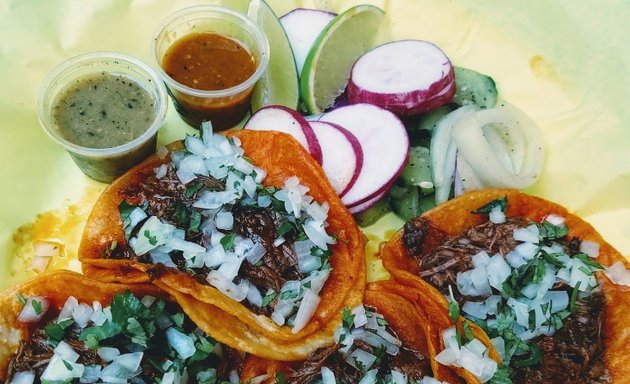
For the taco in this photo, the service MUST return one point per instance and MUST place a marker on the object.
(390, 338)
(531, 275)
(246, 222)
(63, 327)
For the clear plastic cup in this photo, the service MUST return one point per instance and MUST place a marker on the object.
(103, 164)
(224, 108)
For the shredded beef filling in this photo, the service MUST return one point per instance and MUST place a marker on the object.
(572, 354)
(407, 361)
(165, 197)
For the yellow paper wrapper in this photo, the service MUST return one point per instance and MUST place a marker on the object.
(563, 63)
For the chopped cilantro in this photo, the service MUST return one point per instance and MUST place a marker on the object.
(181, 213)
(193, 188)
(534, 358)
(552, 231)
(21, 299)
(227, 241)
(486, 209)
(178, 319)
(37, 306)
(347, 318)
(152, 238)
(588, 261)
(67, 365)
(502, 376)
(552, 258)
(381, 321)
(284, 228)
(269, 297)
(359, 364)
(195, 221)
(574, 295)
(280, 378)
(288, 295)
(208, 376)
(56, 331)
(137, 333)
(125, 209)
(467, 332)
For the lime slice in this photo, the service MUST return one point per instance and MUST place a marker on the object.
(328, 64)
(279, 84)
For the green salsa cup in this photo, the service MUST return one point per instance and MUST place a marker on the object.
(103, 163)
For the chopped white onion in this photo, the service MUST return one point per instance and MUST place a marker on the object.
(182, 343)
(224, 220)
(226, 286)
(161, 171)
(618, 274)
(59, 369)
(554, 219)
(497, 216)
(307, 309)
(68, 308)
(475, 309)
(360, 317)
(34, 309)
(398, 377)
(45, 248)
(108, 353)
(590, 248)
(123, 368)
(65, 351)
(255, 253)
(328, 377)
(369, 377)
(82, 314)
(361, 359)
(24, 377)
(260, 379)
(529, 234)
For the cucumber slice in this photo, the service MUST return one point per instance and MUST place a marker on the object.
(472, 87)
(418, 170)
(405, 201)
(429, 120)
(373, 214)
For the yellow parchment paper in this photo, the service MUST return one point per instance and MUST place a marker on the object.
(564, 62)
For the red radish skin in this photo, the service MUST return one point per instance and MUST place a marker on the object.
(342, 155)
(406, 77)
(385, 145)
(302, 26)
(367, 205)
(282, 119)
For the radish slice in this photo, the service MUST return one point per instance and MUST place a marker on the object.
(444, 151)
(302, 27)
(502, 145)
(342, 155)
(365, 206)
(406, 77)
(385, 148)
(282, 119)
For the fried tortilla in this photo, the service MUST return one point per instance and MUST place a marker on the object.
(407, 313)
(107, 256)
(62, 326)
(437, 249)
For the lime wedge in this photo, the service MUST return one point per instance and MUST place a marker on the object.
(279, 84)
(328, 64)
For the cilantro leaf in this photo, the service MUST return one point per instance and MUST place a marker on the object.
(502, 203)
(280, 378)
(181, 213)
(152, 238)
(56, 331)
(195, 221)
(37, 306)
(21, 299)
(193, 188)
(347, 318)
(137, 333)
(284, 228)
(227, 241)
(552, 231)
(269, 297)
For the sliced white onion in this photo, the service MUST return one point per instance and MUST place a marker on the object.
(590, 248)
(465, 177)
(317, 233)
(307, 309)
(618, 274)
(502, 145)
(29, 313)
(444, 151)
